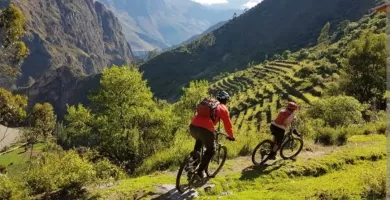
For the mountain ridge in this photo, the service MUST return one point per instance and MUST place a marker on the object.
(249, 37)
(150, 25)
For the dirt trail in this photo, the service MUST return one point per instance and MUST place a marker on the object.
(243, 165)
(237, 165)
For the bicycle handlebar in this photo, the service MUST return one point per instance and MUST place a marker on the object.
(223, 134)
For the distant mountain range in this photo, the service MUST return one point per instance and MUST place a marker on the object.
(160, 24)
(271, 27)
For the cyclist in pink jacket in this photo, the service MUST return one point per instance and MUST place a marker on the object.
(280, 124)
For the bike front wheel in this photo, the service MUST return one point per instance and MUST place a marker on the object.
(185, 175)
(291, 148)
(217, 161)
(261, 152)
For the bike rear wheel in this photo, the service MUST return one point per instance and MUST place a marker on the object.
(291, 148)
(185, 174)
(261, 152)
(217, 161)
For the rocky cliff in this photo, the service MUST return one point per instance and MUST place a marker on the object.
(70, 42)
(80, 34)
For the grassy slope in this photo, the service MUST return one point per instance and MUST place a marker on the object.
(261, 90)
(16, 161)
(346, 172)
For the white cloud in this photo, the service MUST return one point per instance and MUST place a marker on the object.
(251, 3)
(211, 2)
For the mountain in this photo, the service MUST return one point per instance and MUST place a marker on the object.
(151, 24)
(68, 41)
(268, 28)
(80, 34)
(209, 30)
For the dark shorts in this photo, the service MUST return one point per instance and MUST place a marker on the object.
(278, 133)
(203, 136)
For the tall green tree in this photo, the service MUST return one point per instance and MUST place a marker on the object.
(324, 35)
(130, 125)
(365, 71)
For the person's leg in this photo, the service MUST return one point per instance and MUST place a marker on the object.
(194, 131)
(278, 139)
(207, 138)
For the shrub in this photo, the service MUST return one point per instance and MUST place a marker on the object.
(9, 190)
(303, 54)
(64, 170)
(316, 79)
(331, 136)
(381, 127)
(3, 169)
(326, 136)
(369, 129)
(337, 111)
(375, 184)
(106, 170)
(306, 71)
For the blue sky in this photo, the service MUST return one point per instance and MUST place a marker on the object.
(236, 4)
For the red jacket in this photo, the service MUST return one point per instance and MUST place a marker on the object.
(221, 113)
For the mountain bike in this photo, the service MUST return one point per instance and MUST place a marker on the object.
(291, 144)
(191, 166)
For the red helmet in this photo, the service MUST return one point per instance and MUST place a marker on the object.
(291, 105)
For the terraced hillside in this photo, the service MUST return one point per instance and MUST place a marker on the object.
(259, 92)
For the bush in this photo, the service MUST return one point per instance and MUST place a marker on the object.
(375, 184)
(9, 190)
(303, 54)
(3, 169)
(106, 170)
(331, 136)
(326, 136)
(306, 71)
(316, 79)
(64, 170)
(337, 111)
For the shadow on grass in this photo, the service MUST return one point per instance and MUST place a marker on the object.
(253, 172)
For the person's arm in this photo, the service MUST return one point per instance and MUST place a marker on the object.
(225, 116)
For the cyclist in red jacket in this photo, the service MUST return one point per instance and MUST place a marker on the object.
(202, 129)
(280, 124)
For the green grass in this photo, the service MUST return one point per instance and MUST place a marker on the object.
(130, 187)
(18, 156)
(16, 161)
(354, 171)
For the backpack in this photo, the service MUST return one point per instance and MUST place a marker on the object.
(207, 108)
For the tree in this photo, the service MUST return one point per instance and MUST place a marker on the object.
(128, 120)
(12, 108)
(365, 73)
(324, 35)
(286, 54)
(43, 122)
(79, 125)
(12, 49)
(192, 95)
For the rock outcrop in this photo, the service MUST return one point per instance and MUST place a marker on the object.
(80, 34)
